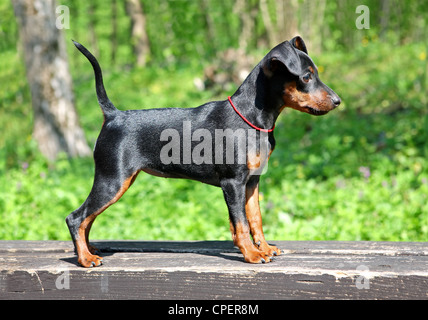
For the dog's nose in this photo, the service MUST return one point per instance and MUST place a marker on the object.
(336, 100)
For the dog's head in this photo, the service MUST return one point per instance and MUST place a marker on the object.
(294, 77)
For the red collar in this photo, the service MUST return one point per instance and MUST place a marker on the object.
(248, 122)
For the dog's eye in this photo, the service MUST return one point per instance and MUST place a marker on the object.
(307, 77)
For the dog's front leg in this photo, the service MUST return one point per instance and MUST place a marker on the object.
(234, 194)
(254, 218)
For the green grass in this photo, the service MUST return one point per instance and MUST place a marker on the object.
(358, 173)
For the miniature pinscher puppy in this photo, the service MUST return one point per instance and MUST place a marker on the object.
(190, 143)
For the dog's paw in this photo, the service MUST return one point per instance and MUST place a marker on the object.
(90, 261)
(267, 249)
(257, 256)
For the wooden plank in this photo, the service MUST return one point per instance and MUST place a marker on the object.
(215, 270)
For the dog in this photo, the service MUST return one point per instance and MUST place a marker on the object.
(178, 143)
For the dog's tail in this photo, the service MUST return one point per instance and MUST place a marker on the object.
(106, 105)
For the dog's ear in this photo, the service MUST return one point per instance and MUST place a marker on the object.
(298, 43)
(283, 54)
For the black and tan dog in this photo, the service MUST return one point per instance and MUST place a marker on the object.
(132, 141)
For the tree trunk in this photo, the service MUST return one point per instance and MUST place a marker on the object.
(113, 37)
(91, 28)
(384, 18)
(139, 38)
(210, 26)
(288, 28)
(248, 13)
(269, 26)
(56, 125)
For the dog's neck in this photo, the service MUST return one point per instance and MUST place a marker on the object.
(255, 101)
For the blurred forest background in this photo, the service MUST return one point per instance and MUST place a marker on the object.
(358, 173)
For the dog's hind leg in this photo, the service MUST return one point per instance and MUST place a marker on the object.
(105, 192)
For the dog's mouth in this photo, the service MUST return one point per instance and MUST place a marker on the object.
(315, 112)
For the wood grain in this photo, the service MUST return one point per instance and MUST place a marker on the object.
(215, 270)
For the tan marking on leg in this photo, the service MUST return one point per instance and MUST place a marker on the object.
(85, 257)
(244, 243)
(254, 217)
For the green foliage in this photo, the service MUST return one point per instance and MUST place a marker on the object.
(358, 173)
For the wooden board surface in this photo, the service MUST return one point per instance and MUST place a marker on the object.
(215, 270)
